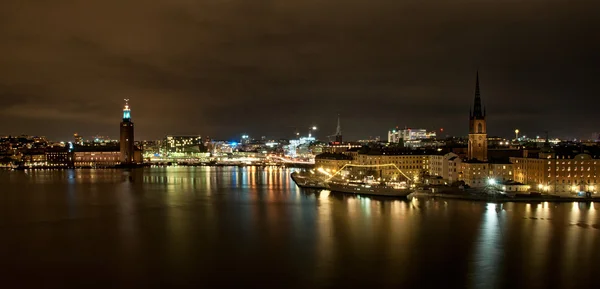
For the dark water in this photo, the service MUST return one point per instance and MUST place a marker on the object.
(253, 228)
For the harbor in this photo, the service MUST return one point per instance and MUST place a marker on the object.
(367, 187)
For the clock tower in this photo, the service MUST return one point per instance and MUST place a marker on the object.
(477, 129)
(126, 139)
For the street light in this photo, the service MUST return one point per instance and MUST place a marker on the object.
(311, 129)
(516, 134)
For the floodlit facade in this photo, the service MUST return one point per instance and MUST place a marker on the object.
(559, 174)
(447, 166)
(411, 165)
(332, 162)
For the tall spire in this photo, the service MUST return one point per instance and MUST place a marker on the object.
(338, 131)
(477, 112)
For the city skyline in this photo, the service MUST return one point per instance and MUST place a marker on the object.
(198, 69)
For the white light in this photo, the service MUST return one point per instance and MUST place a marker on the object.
(314, 128)
(491, 181)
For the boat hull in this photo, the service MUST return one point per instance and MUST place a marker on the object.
(372, 190)
(307, 182)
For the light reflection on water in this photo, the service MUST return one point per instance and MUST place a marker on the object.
(192, 226)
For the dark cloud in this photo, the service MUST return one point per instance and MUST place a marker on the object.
(223, 68)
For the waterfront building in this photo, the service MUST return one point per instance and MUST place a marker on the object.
(102, 156)
(97, 157)
(559, 170)
(59, 157)
(510, 187)
(332, 162)
(412, 163)
(34, 158)
(126, 145)
(447, 166)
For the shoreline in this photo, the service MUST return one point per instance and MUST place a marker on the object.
(149, 166)
(492, 199)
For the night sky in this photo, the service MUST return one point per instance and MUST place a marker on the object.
(265, 67)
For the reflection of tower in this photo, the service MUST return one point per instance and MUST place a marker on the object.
(477, 129)
(338, 131)
(126, 136)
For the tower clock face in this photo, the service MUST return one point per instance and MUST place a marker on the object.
(480, 138)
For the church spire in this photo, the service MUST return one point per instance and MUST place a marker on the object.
(338, 131)
(477, 112)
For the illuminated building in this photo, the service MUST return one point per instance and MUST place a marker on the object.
(411, 163)
(446, 166)
(34, 158)
(299, 147)
(97, 157)
(183, 144)
(102, 156)
(410, 134)
(78, 139)
(559, 170)
(59, 157)
(332, 162)
(126, 140)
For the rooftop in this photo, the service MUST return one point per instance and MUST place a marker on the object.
(333, 156)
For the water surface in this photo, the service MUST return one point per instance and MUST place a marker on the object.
(253, 228)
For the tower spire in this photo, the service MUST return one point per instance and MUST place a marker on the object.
(338, 131)
(126, 111)
(477, 112)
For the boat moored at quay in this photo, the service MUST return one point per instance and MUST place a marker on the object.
(366, 188)
(357, 179)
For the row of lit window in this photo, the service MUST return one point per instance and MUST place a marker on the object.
(569, 169)
(574, 176)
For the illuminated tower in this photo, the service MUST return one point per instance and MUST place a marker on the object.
(477, 129)
(126, 135)
(338, 131)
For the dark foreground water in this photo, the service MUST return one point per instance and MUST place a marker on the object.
(253, 228)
